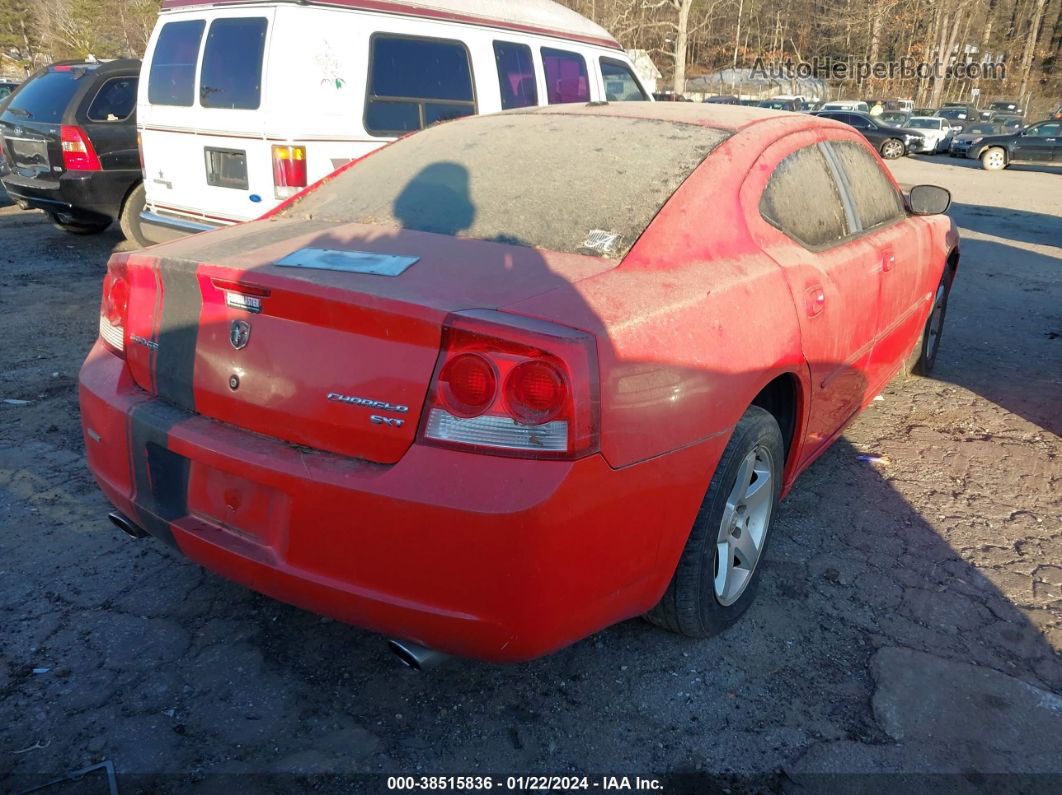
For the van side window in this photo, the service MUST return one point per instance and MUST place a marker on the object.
(620, 82)
(516, 74)
(415, 82)
(232, 64)
(566, 77)
(171, 80)
(115, 101)
(785, 204)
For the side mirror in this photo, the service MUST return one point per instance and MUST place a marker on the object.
(928, 200)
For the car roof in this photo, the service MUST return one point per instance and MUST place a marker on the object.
(529, 16)
(729, 118)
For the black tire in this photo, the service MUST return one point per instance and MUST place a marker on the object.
(129, 219)
(892, 149)
(90, 228)
(924, 356)
(690, 605)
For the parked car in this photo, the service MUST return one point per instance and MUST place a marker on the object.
(723, 100)
(69, 140)
(1008, 123)
(1007, 107)
(924, 112)
(894, 118)
(484, 392)
(959, 116)
(246, 103)
(971, 134)
(1058, 113)
(1038, 144)
(936, 130)
(891, 142)
(791, 105)
(847, 104)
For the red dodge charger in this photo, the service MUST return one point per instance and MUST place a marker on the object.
(515, 378)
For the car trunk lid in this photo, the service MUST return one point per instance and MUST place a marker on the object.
(336, 360)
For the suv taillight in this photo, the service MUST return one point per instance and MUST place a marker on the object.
(114, 307)
(509, 385)
(289, 170)
(78, 152)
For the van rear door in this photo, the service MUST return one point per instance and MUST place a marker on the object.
(202, 113)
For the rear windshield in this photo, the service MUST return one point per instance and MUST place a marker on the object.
(568, 183)
(926, 124)
(232, 64)
(46, 97)
(172, 77)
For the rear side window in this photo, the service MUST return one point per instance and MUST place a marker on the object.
(877, 202)
(414, 83)
(516, 74)
(46, 97)
(171, 80)
(232, 64)
(620, 83)
(802, 199)
(566, 77)
(115, 101)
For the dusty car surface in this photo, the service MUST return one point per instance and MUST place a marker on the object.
(516, 378)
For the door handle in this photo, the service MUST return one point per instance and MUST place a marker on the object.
(815, 300)
(888, 263)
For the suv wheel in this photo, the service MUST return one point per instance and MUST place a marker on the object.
(994, 159)
(79, 228)
(129, 219)
(892, 149)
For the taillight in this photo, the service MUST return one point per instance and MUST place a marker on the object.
(78, 152)
(509, 385)
(115, 307)
(289, 170)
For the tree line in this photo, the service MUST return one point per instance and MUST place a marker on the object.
(686, 38)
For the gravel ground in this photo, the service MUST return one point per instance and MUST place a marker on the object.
(910, 619)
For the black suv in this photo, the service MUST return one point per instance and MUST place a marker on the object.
(69, 144)
(891, 142)
(1038, 144)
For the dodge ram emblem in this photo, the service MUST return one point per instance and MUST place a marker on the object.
(240, 334)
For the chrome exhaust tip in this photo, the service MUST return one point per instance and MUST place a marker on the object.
(415, 656)
(123, 523)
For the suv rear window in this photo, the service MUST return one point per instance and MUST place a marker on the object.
(414, 83)
(115, 101)
(46, 97)
(501, 178)
(172, 77)
(232, 64)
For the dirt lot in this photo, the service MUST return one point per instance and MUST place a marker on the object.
(910, 619)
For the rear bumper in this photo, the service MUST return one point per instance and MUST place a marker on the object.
(161, 226)
(495, 558)
(89, 196)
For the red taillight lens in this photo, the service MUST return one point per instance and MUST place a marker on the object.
(289, 170)
(115, 307)
(548, 406)
(78, 152)
(536, 392)
(469, 384)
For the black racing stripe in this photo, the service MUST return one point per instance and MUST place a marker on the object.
(160, 476)
(178, 333)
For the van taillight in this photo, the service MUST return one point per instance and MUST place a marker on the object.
(289, 170)
(78, 152)
(515, 386)
(114, 307)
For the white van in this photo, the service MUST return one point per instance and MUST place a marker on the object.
(243, 103)
(846, 104)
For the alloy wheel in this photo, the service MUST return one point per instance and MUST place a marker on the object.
(743, 530)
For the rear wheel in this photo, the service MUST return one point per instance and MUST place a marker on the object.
(129, 220)
(892, 149)
(717, 575)
(994, 159)
(80, 227)
(924, 356)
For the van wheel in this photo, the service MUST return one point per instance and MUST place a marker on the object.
(993, 159)
(892, 149)
(129, 219)
(81, 228)
(717, 575)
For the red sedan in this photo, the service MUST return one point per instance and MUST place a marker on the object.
(518, 377)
